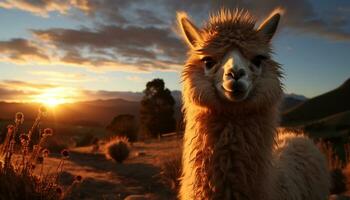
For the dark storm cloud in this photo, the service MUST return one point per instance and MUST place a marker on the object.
(21, 50)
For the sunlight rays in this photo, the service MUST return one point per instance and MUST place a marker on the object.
(55, 96)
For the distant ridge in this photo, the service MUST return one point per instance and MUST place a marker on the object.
(327, 104)
(94, 113)
(291, 100)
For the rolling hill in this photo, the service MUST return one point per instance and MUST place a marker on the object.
(330, 103)
(339, 121)
(91, 113)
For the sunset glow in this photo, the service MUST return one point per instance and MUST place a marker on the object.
(53, 97)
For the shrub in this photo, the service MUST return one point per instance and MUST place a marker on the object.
(118, 149)
(171, 170)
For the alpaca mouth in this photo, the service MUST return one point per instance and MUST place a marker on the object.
(236, 92)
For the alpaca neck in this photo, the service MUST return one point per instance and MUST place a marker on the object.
(230, 153)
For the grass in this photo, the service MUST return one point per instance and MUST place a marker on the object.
(171, 170)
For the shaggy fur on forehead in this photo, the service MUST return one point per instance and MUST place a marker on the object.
(232, 28)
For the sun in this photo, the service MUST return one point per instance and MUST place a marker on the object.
(52, 97)
(52, 102)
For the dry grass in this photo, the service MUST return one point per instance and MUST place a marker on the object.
(19, 163)
(171, 170)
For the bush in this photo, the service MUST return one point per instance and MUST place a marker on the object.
(171, 170)
(118, 149)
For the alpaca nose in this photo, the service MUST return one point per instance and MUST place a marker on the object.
(237, 74)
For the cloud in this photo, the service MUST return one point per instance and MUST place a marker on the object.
(138, 35)
(301, 15)
(19, 91)
(105, 9)
(20, 50)
(62, 77)
(22, 91)
(140, 48)
(15, 84)
(38, 7)
(12, 95)
(106, 48)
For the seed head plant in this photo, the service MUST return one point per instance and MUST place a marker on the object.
(18, 163)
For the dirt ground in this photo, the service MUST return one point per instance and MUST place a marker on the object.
(106, 180)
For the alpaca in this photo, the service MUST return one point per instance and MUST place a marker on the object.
(231, 97)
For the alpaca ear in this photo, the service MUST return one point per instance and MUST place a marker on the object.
(269, 26)
(189, 31)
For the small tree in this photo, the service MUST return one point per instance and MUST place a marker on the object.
(157, 109)
(124, 125)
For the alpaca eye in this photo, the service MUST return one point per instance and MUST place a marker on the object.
(209, 62)
(257, 60)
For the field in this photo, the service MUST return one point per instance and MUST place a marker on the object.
(105, 179)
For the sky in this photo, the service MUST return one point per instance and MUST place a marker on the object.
(74, 50)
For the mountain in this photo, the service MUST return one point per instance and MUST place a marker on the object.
(137, 96)
(330, 103)
(88, 113)
(291, 100)
(91, 113)
(296, 96)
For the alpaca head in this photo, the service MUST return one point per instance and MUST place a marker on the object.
(230, 61)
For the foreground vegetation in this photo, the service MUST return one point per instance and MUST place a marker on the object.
(23, 157)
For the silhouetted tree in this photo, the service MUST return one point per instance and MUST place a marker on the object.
(124, 125)
(157, 109)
